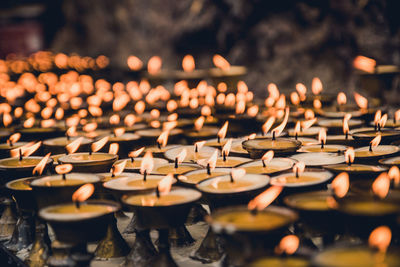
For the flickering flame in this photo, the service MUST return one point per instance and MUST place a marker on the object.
(269, 102)
(181, 156)
(136, 153)
(268, 156)
(74, 145)
(18, 112)
(230, 100)
(262, 201)
(380, 238)
(199, 145)
(90, 127)
(147, 163)
(96, 146)
(154, 65)
(307, 124)
(268, 124)
(364, 63)
(377, 118)
(39, 168)
(113, 149)
(227, 147)
(240, 107)
(172, 117)
(47, 123)
(382, 121)
(115, 119)
(375, 142)
(273, 91)
(119, 131)
(381, 185)
(130, 120)
(316, 86)
(140, 106)
(322, 136)
(317, 104)
(7, 119)
(134, 63)
(27, 151)
(83, 193)
(297, 128)
(222, 132)
(163, 138)
(279, 129)
(118, 168)
(309, 114)
(198, 124)
(281, 102)
(188, 63)
(288, 245)
(346, 128)
(165, 184)
(349, 155)
(221, 62)
(397, 115)
(155, 113)
(394, 174)
(251, 136)
(361, 101)
(302, 90)
(299, 167)
(71, 131)
(341, 98)
(169, 125)
(46, 112)
(238, 173)
(63, 168)
(29, 122)
(14, 138)
(206, 111)
(172, 105)
(295, 98)
(212, 161)
(340, 185)
(252, 111)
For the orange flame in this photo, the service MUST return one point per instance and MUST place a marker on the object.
(90, 127)
(71, 131)
(18, 112)
(380, 238)
(113, 149)
(169, 125)
(118, 168)
(394, 173)
(340, 185)
(222, 132)
(307, 124)
(198, 124)
(240, 107)
(346, 128)
(154, 65)
(341, 98)
(63, 168)
(147, 163)
(227, 147)
(47, 123)
(212, 161)
(115, 119)
(29, 122)
(119, 131)
(302, 90)
(136, 153)
(31, 149)
(279, 129)
(281, 102)
(273, 91)
(39, 168)
(7, 119)
(155, 113)
(262, 201)
(316, 86)
(164, 186)
(295, 98)
(299, 167)
(322, 136)
(297, 128)
(381, 185)
(252, 111)
(206, 111)
(309, 114)
(397, 115)
(221, 62)
(238, 173)
(199, 145)
(377, 118)
(74, 145)
(46, 113)
(83, 193)
(364, 63)
(172, 105)
(172, 117)
(382, 121)
(251, 136)
(188, 63)
(140, 106)
(181, 156)
(268, 156)
(130, 120)
(317, 104)
(288, 245)
(163, 138)
(349, 155)
(375, 142)
(134, 63)
(268, 124)
(96, 146)
(14, 138)
(361, 101)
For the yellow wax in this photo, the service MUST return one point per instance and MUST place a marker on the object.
(277, 261)
(276, 144)
(263, 220)
(94, 156)
(149, 183)
(60, 141)
(85, 208)
(292, 179)
(65, 182)
(260, 169)
(215, 143)
(155, 149)
(373, 133)
(25, 162)
(56, 157)
(20, 185)
(197, 177)
(134, 164)
(227, 185)
(228, 163)
(152, 200)
(356, 167)
(238, 148)
(367, 153)
(171, 169)
(371, 207)
(319, 149)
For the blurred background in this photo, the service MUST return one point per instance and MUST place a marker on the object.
(284, 41)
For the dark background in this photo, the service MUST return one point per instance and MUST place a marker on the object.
(282, 41)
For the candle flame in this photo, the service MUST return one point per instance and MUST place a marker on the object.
(154, 65)
(47, 123)
(71, 131)
(230, 100)
(7, 119)
(307, 124)
(90, 127)
(31, 149)
(322, 136)
(181, 156)
(381, 185)
(119, 131)
(16, 151)
(172, 105)
(394, 174)
(341, 98)
(295, 98)
(140, 106)
(155, 124)
(29, 122)
(251, 136)
(222, 132)
(281, 102)
(221, 62)
(252, 111)
(268, 124)
(74, 145)
(118, 168)
(134, 63)
(115, 119)
(198, 124)
(169, 125)
(136, 153)
(309, 114)
(147, 163)
(39, 168)
(163, 138)
(382, 121)
(302, 90)
(14, 138)
(130, 120)
(188, 63)
(199, 145)
(18, 112)
(397, 115)
(375, 142)
(297, 128)
(206, 111)
(299, 167)
(346, 128)
(262, 201)
(155, 113)
(268, 156)
(317, 104)
(63, 168)
(227, 147)
(172, 117)
(279, 129)
(96, 146)
(364, 63)
(113, 149)
(380, 238)
(349, 155)
(288, 245)
(240, 107)
(377, 118)
(273, 91)
(83, 193)
(316, 86)
(212, 161)
(340, 185)
(238, 173)
(164, 186)
(361, 101)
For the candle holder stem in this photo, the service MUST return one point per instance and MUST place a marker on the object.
(164, 258)
(143, 251)
(7, 220)
(180, 237)
(210, 249)
(23, 233)
(41, 246)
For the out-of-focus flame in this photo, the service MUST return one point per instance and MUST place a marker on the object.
(221, 62)
(74, 145)
(198, 124)
(71, 131)
(317, 104)
(397, 115)
(322, 136)
(14, 138)
(140, 106)
(29, 122)
(136, 153)
(130, 120)
(281, 102)
(212, 161)
(279, 129)
(181, 156)
(188, 63)
(119, 131)
(251, 136)
(252, 111)
(361, 101)
(375, 142)
(155, 113)
(154, 65)
(380, 238)
(365, 64)
(206, 111)
(27, 151)
(83, 193)
(316, 86)
(349, 155)
(297, 128)
(147, 163)
(302, 90)
(240, 107)
(118, 168)
(172, 105)
(268, 124)
(165, 184)
(307, 124)
(382, 121)
(299, 167)
(114, 119)
(309, 114)
(261, 201)
(169, 125)
(199, 145)
(346, 128)
(96, 146)
(341, 98)
(90, 127)
(113, 149)
(340, 185)
(273, 91)
(381, 185)
(7, 119)
(238, 173)
(227, 147)
(288, 245)
(377, 118)
(162, 140)
(39, 168)
(295, 98)
(394, 174)
(222, 132)
(134, 63)
(268, 156)
(63, 168)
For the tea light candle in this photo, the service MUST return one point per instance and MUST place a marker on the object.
(89, 162)
(336, 125)
(324, 148)
(273, 166)
(196, 176)
(205, 132)
(279, 261)
(259, 146)
(134, 183)
(309, 201)
(133, 164)
(150, 135)
(227, 162)
(6, 147)
(367, 134)
(170, 168)
(367, 206)
(393, 161)
(57, 145)
(61, 180)
(308, 132)
(319, 158)
(308, 178)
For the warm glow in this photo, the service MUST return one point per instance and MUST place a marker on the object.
(27, 151)
(96, 146)
(118, 168)
(364, 63)
(172, 105)
(316, 86)
(380, 238)
(130, 120)
(317, 104)
(140, 106)
(199, 145)
(268, 124)
(38, 170)
(155, 113)
(309, 114)
(307, 124)
(181, 156)
(349, 155)
(361, 101)
(29, 122)
(288, 245)
(377, 118)
(397, 115)
(162, 140)
(212, 161)
(273, 91)
(381, 185)
(238, 173)
(227, 147)
(83, 193)
(262, 201)
(299, 167)
(154, 65)
(221, 62)
(46, 113)
(382, 121)
(188, 63)
(222, 132)
(114, 119)
(322, 136)
(302, 90)
(375, 142)
(134, 63)
(90, 127)
(206, 111)
(394, 174)
(172, 117)
(113, 149)
(14, 138)
(119, 131)
(147, 163)
(251, 136)
(346, 128)
(279, 129)
(294, 98)
(240, 107)
(136, 153)
(7, 119)
(281, 102)
(340, 185)
(63, 168)
(198, 124)
(297, 128)
(74, 145)
(341, 98)
(268, 156)
(164, 186)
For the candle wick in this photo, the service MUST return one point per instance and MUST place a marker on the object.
(64, 176)
(144, 175)
(254, 211)
(379, 127)
(219, 139)
(157, 192)
(112, 171)
(349, 163)
(322, 144)
(68, 137)
(66, 151)
(77, 204)
(263, 163)
(10, 143)
(232, 180)
(224, 155)
(196, 149)
(297, 173)
(370, 147)
(347, 135)
(273, 135)
(208, 169)
(176, 163)
(20, 154)
(376, 126)
(132, 159)
(296, 136)
(159, 145)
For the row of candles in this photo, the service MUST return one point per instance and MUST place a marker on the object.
(338, 179)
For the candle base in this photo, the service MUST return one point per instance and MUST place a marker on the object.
(164, 257)
(143, 251)
(210, 249)
(61, 255)
(180, 237)
(41, 246)
(131, 227)
(7, 220)
(196, 214)
(23, 234)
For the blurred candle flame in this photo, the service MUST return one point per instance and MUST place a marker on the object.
(349, 155)
(96, 146)
(364, 63)
(198, 124)
(307, 124)
(74, 145)
(341, 98)
(163, 139)
(113, 149)
(118, 168)
(279, 129)
(83, 193)
(268, 124)
(188, 63)
(380, 238)
(381, 185)
(361, 101)
(222, 132)
(316, 86)
(221, 62)
(14, 138)
(147, 163)
(288, 245)
(164, 186)
(394, 174)
(295, 98)
(154, 65)
(340, 185)
(302, 90)
(39, 168)
(263, 200)
(63, 168)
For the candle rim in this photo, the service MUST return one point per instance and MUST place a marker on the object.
(329, 155)
(68, 159)
(169, 153)
(85, 177)
(2, 166)
(157, 161)
(50, 141)
(308, 171)
(121, 183)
